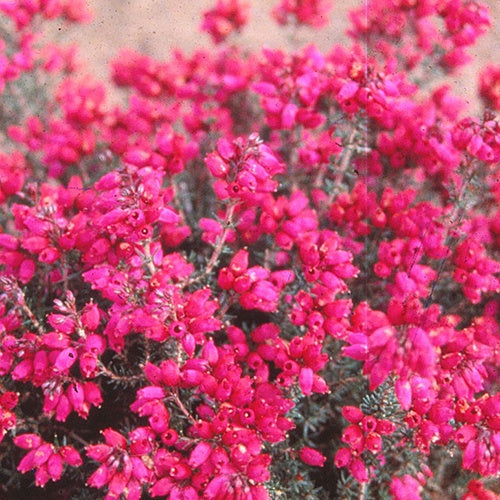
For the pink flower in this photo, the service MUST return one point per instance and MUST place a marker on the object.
(311, 456)
(200, 454)
(405, 488)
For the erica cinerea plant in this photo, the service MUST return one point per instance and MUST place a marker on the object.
(269, 274)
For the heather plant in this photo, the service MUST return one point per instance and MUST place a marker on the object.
(263, 275)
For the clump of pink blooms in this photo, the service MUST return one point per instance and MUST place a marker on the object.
(258, 260)
(313, 13)
(226, 17)
(489, 86)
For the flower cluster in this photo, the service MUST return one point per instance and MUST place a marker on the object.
(363, 435)
(24, 11)
(47, 460)
(227, 16)
(270, 274)
(489, 86)
(477, 491)
(312, 13)
(8, 400)
(416, 27)
(243, 168)
(478, 434)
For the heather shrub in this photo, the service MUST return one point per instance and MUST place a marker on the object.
(269, 274)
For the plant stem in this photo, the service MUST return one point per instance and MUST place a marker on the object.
(228, 221)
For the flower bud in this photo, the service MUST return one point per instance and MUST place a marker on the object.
(342, 458)
(28, 441)
(200, 454)
(306, 380)
(311, 456)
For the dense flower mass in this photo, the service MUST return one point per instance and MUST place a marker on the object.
(265, 275)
